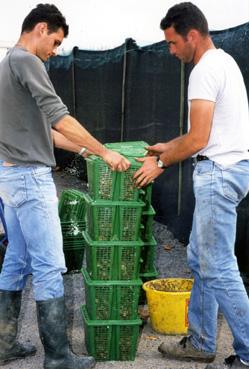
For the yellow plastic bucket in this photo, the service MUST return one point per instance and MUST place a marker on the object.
(168, 301)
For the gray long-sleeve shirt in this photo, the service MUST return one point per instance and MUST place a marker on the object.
(29, 107)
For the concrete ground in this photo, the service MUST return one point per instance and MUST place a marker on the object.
(171, 262)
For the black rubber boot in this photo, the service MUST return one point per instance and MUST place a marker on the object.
(10, 349)
(52, 328)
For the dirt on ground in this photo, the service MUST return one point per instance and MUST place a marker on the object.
(170, 262)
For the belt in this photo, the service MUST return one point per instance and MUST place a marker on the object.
(201, 157)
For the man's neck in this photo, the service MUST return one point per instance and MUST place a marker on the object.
(26, 43)
(205, 45)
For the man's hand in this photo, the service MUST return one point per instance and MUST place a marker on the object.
(156, 149)
(148, 171)
(116, 161)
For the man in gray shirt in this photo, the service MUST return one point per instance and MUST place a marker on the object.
(30, 111)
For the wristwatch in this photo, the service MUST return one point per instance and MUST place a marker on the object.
(160, 164)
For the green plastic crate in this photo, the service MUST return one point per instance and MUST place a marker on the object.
(74, 258)
(148, 256)
(113, 220)
(147, 224)
(105, 184)
(111, 339)
(72, 206)
(73, 230)
(129, 148)
(111, 300)
(73, 244)
(112, 260)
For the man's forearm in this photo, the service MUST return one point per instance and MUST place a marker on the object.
(61, 142)
(77, 134)
(180, 149)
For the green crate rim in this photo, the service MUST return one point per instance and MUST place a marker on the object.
(101, 202)
(123, 282)
(107, 243)
(65, 223)
(95, 322)
(76, 248)
(134, 164)
(122, 148)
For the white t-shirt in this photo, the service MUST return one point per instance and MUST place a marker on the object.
(217, 77)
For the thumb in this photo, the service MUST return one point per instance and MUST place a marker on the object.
(149, 147)
(140, 160)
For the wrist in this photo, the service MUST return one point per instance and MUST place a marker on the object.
(82, 151)
(103, 152)
(160, 163)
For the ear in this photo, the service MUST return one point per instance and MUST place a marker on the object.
(192, 35)
(41, 27)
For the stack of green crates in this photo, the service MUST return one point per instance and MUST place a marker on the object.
(73, 224)
(148, 252)
(119, 247)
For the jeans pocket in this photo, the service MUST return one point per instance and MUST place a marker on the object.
(43, 181)
(13, 192)
(203, 168)
(235, 186)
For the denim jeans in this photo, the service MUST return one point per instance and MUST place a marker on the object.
(34, 232)
(217, 281)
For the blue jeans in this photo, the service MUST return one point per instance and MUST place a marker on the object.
(34, 232)
(217, 281)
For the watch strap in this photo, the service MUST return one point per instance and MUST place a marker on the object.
(160, 163)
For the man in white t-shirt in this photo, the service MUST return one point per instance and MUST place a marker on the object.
(218, 137)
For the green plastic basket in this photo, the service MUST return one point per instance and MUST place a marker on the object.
(74, 258)
(72, 206)
(113, 220)
(148, 256)
(112, 260)
(110, 300)
(129, 148)
(105, 184)
(111, 339)
(73, 230)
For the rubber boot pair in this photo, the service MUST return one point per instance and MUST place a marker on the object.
(52, 328)
(10, 348)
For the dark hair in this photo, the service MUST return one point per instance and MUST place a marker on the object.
(47, 13)
(184, 17)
